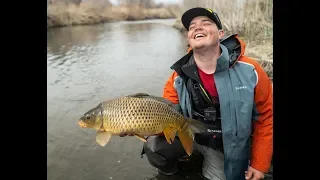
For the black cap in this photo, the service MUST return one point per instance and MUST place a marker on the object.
(198, 11)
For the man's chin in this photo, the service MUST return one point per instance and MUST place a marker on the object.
(198, 46)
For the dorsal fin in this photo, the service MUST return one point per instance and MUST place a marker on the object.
(145, 95)
(139, 95)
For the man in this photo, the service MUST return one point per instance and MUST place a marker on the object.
(229, 92)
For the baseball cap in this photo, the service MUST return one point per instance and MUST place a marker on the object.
(198, 11)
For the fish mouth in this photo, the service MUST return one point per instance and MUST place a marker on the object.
(82, 124)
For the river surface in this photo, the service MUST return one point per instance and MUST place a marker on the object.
(89, 64)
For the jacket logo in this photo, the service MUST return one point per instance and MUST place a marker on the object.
(214, 130)
(241, 87)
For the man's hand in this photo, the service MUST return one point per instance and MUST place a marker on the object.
(254, 174)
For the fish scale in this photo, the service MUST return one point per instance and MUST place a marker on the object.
(135, 118)
(141, 115)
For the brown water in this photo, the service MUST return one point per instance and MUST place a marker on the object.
(89, 64)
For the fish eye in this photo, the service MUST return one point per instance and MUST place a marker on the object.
(88, 117)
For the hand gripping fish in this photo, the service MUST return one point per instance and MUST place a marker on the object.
(142, 115)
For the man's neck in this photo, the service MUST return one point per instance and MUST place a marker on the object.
(206, 59)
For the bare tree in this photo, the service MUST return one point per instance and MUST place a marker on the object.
(148, 3)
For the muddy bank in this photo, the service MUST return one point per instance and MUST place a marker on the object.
(59, 15)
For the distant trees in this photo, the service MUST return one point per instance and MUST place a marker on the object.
(64, 1)
(143, 3)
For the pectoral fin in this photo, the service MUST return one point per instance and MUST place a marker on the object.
(140, 137)
(103, 137)
(170, 134)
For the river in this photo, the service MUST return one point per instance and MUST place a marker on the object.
(89, 64)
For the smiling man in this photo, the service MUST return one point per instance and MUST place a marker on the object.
(218, 85)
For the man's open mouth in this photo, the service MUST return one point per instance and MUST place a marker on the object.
(199, 36)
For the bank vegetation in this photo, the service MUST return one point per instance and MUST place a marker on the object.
(77, 12)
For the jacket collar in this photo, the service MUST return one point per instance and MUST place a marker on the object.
(187, 66)
(235, 49)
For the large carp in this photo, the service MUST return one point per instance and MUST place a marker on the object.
(141, 115)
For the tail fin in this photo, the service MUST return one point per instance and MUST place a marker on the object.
(186, 135)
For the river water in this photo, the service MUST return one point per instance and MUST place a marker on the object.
(89, 64)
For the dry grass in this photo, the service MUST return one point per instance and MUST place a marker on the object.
(262, 51)
(253, 21)
(60, 14)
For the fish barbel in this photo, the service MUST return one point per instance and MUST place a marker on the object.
(141, 115)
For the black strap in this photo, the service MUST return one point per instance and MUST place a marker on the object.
(143, 152)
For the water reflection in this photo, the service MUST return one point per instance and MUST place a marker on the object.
(61, 40)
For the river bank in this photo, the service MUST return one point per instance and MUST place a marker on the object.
(59, 15)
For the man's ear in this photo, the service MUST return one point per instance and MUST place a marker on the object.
(221, 34)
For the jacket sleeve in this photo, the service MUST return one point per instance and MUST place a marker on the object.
(262, 137)
(169, 92)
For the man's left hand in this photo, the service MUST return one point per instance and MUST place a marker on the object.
(254, 174)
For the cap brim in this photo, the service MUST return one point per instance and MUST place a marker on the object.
(192, 13)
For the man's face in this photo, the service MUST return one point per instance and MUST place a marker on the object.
(203, 32)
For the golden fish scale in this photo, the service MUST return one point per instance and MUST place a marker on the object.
(140, 116)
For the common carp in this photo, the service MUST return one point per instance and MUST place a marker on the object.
(141, 115)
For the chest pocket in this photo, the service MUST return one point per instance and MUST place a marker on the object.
(243, 81)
